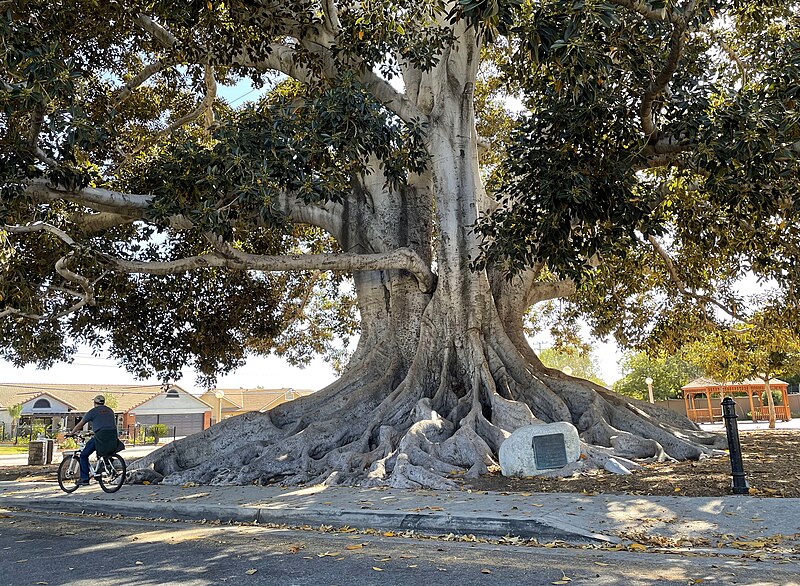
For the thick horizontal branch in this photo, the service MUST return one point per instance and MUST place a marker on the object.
(100, 221)
(400, 259)
(283, 59)
(101, 200)
(40, 227)
(544, 291)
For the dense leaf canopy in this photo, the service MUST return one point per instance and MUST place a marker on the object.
(654, 161)
(657, 163)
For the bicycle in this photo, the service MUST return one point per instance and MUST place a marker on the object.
(109, 471)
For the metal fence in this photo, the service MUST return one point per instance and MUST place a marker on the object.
(147, 434)
(131, 435)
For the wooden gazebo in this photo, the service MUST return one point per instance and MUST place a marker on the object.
(714, 391)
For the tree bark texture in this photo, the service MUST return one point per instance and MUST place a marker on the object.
(439, 379)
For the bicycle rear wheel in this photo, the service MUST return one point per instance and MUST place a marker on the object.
(112, 473)
(69, 472)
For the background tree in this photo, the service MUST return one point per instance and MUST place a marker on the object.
(653, 164)
(14, 412)
(763, 349)
(579, 360)
(112, 401)
(669, 373)
(158, 431)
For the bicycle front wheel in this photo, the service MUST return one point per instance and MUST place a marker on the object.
(112, 473)
(69, 472)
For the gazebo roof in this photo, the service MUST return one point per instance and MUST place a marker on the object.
(704, 383)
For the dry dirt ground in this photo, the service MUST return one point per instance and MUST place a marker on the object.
(771, 463)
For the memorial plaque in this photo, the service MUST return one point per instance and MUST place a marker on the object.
(549, 451)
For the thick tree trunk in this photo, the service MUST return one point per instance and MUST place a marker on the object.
(437, 381)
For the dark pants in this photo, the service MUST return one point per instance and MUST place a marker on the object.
(88, 450)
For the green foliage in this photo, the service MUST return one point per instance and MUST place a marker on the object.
(669, 373)
(69, 443)
(585, 184)
(764, 349)
(158, 431)
(641, 123)
(777, 397)
(14, 411)
(112, 401)
(580, 360)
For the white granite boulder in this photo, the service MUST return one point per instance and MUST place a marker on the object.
(537, 449)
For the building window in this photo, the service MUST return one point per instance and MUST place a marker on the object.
(41, 404)
(172, 394)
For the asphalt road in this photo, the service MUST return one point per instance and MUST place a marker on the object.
(39, 549)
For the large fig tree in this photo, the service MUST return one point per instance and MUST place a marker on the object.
(146, 215)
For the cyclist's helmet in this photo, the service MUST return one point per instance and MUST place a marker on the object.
(99, 400)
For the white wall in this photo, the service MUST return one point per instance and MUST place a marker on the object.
(162, 405)
(56, 406)
(5, 418)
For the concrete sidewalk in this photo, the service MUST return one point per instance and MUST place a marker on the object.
(129, 453)
(727, 523)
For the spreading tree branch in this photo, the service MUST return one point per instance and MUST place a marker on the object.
(136, 81)
(205, 107)
(401, 259)
(86, 297)
(331, 13)
(661, 81)
(732, 55)
(158, 32)
(101, 200)
(684, 290)
(544, 291)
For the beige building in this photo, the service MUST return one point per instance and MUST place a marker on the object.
(229, 402)
(60, 406)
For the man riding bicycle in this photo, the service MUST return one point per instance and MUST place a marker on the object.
(105, 440)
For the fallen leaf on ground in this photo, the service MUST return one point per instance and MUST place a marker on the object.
(356, 546)
(748, 544)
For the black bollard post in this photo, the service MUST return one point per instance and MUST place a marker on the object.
(735, 449)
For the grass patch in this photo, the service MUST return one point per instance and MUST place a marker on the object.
(8, 450)
(11, 450)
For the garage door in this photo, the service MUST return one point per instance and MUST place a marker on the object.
(184, 424)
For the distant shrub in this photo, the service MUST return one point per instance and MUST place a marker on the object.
(158, 431)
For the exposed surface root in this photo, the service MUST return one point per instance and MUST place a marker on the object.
(444, 419)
